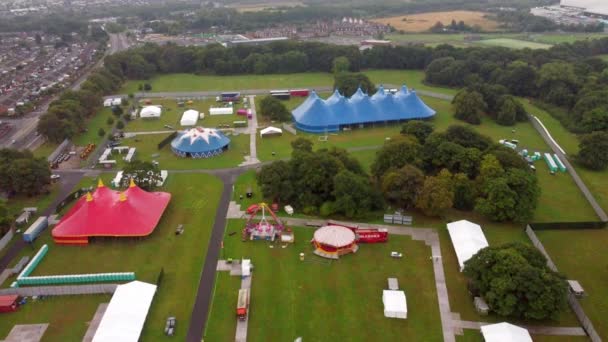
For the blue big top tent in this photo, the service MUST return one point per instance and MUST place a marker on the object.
(200, 142)
(316, 115)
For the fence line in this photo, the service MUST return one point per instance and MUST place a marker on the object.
(6, 239)
(60, 290)
(572, 300)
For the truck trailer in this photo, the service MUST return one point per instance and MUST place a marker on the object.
(35, 229)
(242, 306)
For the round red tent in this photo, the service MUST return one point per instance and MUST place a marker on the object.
(109, 213)
(334, 241)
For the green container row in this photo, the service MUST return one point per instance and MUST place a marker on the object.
(76, 278)
(31, 266)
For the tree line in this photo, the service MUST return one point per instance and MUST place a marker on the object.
(420, 169)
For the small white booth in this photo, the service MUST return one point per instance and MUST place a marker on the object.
(189, 118)
(505, 332)
(246, 267)
(221, 111)
(269, 131)
(150, 112)
(395, 304)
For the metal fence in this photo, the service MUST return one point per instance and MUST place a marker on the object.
(6, 239)
(572, 300)
(60, 290)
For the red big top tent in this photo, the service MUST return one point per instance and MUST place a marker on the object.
(106, 212)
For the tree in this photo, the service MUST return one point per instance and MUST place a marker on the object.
(510, 111)
(420, 129)
(348, 83)
(22, 173)
(101, 132)
(464, 192)
(468, 106)
(110, 121)
(302, 144)
(5, 219)
(593, 150)
(340, 64)
(120, 124)
(516, 282)
(395, 154)
(354, 195)
(275, 181)
(117, 111)
(145, 174)
(274, 109)
(147, 87)
(401, 187)
(38, 39)
(436, 194)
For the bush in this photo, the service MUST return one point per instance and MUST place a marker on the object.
(110, 121)
(101, 132)
(120, 124)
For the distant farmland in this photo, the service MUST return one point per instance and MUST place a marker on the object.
(424, 21)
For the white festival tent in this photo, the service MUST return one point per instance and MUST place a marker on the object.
(189, 118)
(395, 304)
(271, 131)
(505, 332)
(467, 238)
(150, 112)
(126, 314)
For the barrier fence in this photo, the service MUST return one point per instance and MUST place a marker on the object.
(6, 239)
(568, 225)
(572, 300)
(167, 140)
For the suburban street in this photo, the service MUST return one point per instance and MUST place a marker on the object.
(24, 128)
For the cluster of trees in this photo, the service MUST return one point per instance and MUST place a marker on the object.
(67, 115)
(348, 83)
(23, 174)
(454, 27)
(472, 102)
(464, 170)
(325, 182)
(274, 109)
(515, 282)
(5, 219)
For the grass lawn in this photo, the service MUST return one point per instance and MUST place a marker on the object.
(579, 254)
(191, 82)
(45, 150)
(513, 43)
(475, 336)
(194, 200)
(595, 180)
(556, 38)
(327, 301)
(96, 122)
(172, 114)
(147, 150)
(67, 316)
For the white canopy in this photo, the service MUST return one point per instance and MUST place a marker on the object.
(505, 332)
(189, 118)
(467, 238)
(125, 316)
(270, 130)
(336, 236)
(150, 112)
(395, 304)
(107, 103)
(221, 111)
(246, 267)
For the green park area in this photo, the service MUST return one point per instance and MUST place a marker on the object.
(583, 260)
(323, 300)
(514, 43)
(194, 200)
(191, 82)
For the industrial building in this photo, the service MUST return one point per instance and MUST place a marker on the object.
(589, 7)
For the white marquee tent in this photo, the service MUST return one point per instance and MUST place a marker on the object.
(505, 332)
(271, 131)
(189, 118)
(125, 316)
(467, 238)
(150, 112)
(395, 304)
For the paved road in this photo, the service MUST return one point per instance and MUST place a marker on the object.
(204, 295)
(213, 93)
(571, 170)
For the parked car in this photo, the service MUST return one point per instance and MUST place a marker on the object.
(55, 176)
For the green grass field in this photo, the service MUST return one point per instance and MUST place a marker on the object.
(93, 125)
(579, 254)
(475, 336)
(513, 43)
(172, 114)
(191, 82)
(194, 200)
(327, 301)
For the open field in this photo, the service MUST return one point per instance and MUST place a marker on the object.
(327, 301)
(261, 6)
(513, 43)
(595, 180)
(147, 150)
(93, 125)
(424, 21)
(172, 114)
(190, 82)
(194, 200)
(579, 255)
